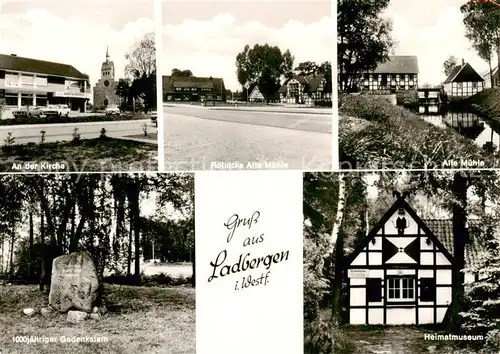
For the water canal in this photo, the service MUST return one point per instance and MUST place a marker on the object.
(465, 123)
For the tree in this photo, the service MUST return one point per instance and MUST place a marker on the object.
(449, 64)
(124, 91)
(307, 68)
(182, 73)
(144, 87)
(263, 65)
(363, 39)
(482, 26)
(142, 58)
(2, 106)
(141, 67)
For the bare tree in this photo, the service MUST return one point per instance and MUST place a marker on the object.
(142, 58)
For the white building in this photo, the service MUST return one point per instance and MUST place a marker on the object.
(401, 273)
(33, 82)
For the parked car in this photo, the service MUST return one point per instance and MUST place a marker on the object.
(28, 112)
(64, 110)
(50, 110)
(112, 110)
(55, 110)
(154, 117)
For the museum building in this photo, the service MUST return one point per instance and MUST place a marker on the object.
(33, 82)
(401, 272)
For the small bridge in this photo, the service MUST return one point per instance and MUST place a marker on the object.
(430, 95)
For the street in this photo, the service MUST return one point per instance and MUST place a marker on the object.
(198, 137)
(64, 131)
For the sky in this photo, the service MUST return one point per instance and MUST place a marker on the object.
(205, 37)
(75, 32)
(432, 32)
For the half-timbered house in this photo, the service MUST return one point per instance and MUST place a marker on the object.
(401, 272)
(305, 89)
(255, 95)
(398, 73)
(463, 81)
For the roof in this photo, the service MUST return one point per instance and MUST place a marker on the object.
(486, 73)
(398, 64)
(443, 229)
(170, 82)
(463, 73)
(15, 63)
(399, 203)
(313, 80)
(440, 230)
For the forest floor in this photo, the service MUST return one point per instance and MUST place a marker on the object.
(142, 320)
(401, 340)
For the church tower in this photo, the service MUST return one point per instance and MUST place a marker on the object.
(105, 89)
(107, 68)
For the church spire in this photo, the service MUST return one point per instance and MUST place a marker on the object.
(107, 54)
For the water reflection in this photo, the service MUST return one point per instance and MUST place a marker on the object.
(465, 123)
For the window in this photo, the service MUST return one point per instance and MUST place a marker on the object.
(373, 289)
(401, 289)
(427, 289)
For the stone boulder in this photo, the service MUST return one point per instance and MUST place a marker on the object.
(45, 311)
(74, 283)
(29, 312)
(76, 316)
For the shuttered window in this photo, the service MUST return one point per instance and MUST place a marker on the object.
(427, 289)
(373, 289)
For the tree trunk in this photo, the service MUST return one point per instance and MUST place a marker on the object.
(30, 249)
(193, 262)
(129, 253)
(137, 240)
(459, 240)
(11, 256)
(338, 244)
(491, 72)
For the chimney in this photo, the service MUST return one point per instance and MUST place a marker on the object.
(463, 61)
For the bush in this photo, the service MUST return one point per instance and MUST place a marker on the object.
(323, 103)
(76, 137)
(368, 107)
(407, 97)
(63, 119)
(149, 280)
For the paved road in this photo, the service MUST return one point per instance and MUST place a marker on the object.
(198, 137)
(64, 131)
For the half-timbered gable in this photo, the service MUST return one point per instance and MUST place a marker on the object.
(400, 273)
(305, 89)
(256, 95)
(463, 81)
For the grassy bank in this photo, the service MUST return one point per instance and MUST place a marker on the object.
(79, 119)
(100, 154)
(374, 134)
(140, 320)
(486, 103)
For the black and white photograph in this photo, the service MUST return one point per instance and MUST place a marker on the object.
(247, 85)
(402, 262)
(97, 263)
(78, 86)
(418, 84)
